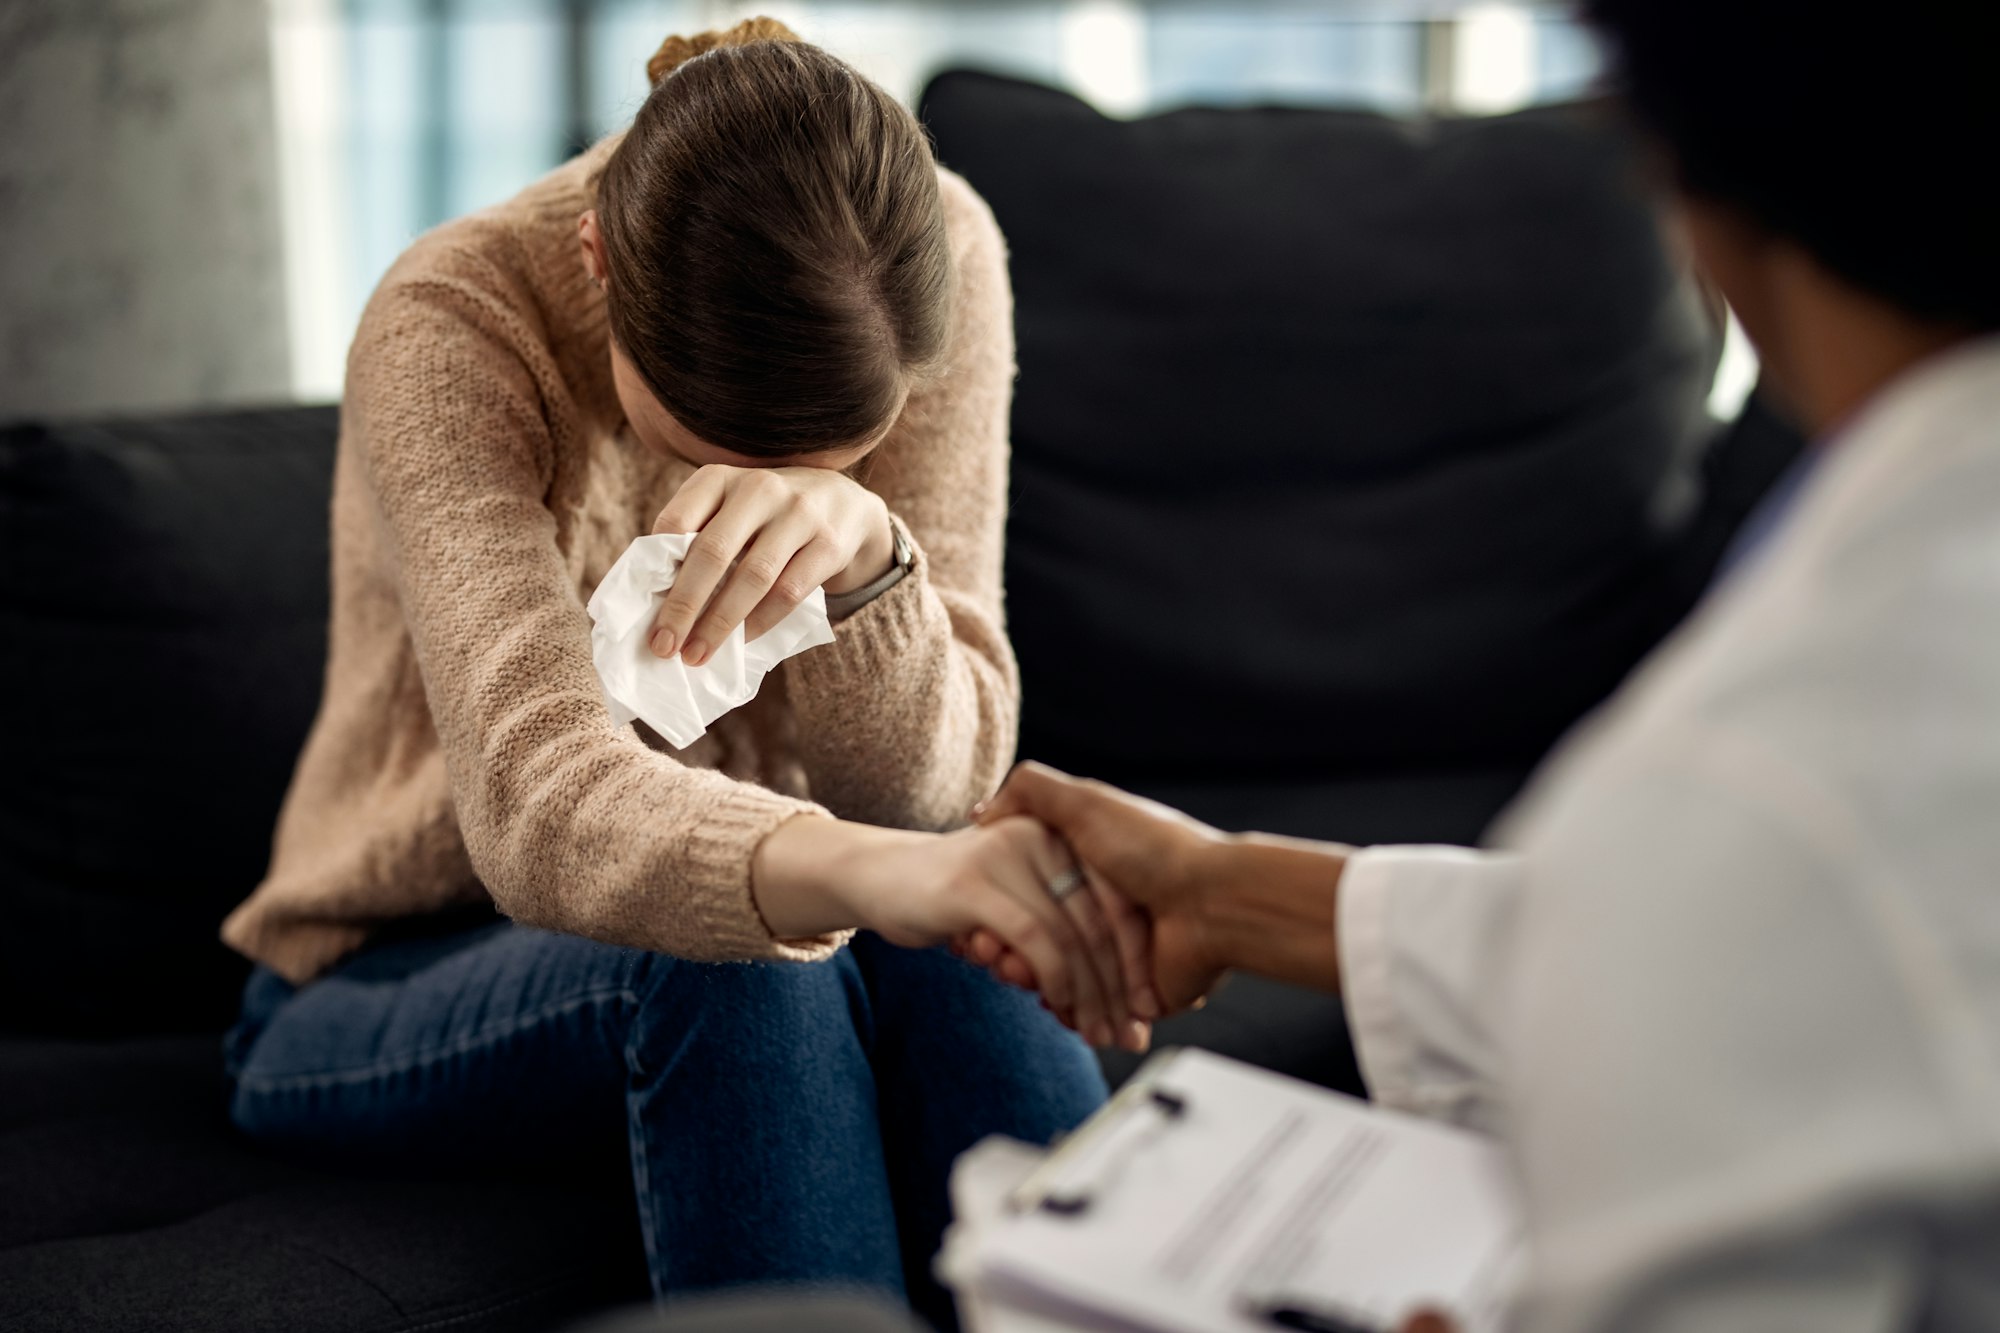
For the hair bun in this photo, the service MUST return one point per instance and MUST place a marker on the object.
(677, 51)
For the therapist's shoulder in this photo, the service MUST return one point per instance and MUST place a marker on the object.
(1852, 679)
(1884, 640)
(1856, 700)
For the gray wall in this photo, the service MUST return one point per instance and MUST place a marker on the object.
(141, 261)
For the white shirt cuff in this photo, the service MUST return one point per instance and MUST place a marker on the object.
(1419, 931)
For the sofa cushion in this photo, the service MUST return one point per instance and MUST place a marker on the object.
(131, 1205)
(162, 636)
(1342, 443)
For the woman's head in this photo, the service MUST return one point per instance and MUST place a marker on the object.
(773, 252)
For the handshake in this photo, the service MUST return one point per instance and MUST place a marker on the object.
(1132, 878)
(1117, 910)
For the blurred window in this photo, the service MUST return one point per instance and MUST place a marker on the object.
(1233, 56)
(394, 115)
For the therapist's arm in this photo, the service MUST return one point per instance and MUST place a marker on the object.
(1411, 937)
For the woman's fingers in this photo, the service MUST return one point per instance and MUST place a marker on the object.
(1097, 986)
(695, 502)
(748, 507)
(1087, 992)
(1102, 945)
(984, 947)
(1133, 931)
(817, 562)
(1032, 938)
(1014, 970)
(778, 565)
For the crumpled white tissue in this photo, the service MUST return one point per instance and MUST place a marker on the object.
(668, 695)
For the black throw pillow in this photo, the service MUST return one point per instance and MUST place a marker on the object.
(1343, 444)
(162, 642)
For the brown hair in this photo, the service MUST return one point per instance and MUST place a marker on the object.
(778, 267)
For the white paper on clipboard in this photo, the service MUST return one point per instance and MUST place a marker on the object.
(1241, 1193)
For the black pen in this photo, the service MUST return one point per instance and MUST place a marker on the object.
(1293, 1315)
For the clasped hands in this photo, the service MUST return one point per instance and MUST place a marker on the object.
(1151, 879)
(1168, 903)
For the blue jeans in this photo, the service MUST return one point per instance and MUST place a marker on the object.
(784, 1122)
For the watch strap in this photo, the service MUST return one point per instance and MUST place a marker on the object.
(840, 605)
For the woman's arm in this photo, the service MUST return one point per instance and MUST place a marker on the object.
(909, 716)
(572, 824)
(917, 889)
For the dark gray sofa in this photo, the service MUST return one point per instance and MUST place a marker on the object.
(1355, 460)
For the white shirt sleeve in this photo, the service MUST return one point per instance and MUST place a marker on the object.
(1738, 1048)
(1421, 931)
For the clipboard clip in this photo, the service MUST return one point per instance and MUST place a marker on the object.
(1077, 1171)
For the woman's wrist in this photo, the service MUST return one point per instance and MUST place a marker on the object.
(803, 878)
(873, 559)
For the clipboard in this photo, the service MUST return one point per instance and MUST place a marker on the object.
(1059, 1185)
(1212, 1197)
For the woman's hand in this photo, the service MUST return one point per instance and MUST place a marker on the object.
(1133, 851)
(813, 875)
(767, 538)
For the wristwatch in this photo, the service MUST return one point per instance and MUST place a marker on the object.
(840, 605)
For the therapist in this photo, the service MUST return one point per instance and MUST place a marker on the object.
(1729, 989)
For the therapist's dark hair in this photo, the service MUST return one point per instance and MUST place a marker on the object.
(777, 265)
(1866, 133)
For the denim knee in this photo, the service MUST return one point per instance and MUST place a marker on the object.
(262, 994)
(762, 1014)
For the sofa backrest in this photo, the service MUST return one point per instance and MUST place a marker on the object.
(1343, 444)
(162, 641)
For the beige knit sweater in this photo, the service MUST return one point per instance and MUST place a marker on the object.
(485, 482)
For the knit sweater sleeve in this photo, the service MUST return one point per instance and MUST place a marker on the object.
(910, 716)
(572, 824)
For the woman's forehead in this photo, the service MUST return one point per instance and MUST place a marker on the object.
(699, 452)
(659, 429)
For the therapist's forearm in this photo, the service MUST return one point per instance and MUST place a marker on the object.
(1267, 906)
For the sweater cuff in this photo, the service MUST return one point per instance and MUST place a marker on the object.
(720, 850)
(871, 643)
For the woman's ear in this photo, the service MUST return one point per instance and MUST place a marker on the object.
(593, 246)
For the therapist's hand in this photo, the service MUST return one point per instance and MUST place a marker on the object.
(1429, 1321)
(1134, 851)
(767, 537)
